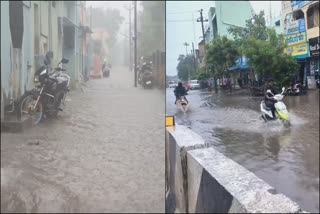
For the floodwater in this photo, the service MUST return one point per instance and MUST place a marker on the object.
(285, 157)
(105, 153)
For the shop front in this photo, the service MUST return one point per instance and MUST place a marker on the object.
(313, 62)
(298, 47)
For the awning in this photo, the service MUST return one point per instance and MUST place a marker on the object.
(238, 67)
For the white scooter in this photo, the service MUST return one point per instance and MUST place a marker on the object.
(281, 109)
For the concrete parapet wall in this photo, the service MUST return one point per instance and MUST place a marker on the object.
(200, 179)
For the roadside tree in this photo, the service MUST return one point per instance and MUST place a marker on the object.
(185, 67)
(221, 55)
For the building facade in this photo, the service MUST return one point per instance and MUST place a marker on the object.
(301, 30)
(29, 29)
(277, 24)
(226, 14)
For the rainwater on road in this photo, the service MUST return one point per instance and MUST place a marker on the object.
(105, 153)
(285, 157)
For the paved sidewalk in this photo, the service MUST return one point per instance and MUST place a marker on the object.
(105, 153)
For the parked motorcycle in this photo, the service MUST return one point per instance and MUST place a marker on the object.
(145, 75)
(106, 70)
(298, 89)
(281, 109)
(48, 96)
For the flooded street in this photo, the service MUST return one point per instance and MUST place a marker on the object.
(286, 158)
(105, 153)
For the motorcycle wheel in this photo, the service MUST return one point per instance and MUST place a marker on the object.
(24, 109)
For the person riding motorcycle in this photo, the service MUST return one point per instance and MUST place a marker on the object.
(269, 92)
(179, 91)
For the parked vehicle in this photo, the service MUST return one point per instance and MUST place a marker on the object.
(298, 89)
(106, 70)
(48, 96)
(145, 75)
(194, 84)
(281, 112)
(173, 84)
(318, 83)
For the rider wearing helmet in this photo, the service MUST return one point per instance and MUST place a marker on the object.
(179, 91)
(269, 92)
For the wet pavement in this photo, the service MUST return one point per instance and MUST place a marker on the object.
(285, 157)
(105, 153)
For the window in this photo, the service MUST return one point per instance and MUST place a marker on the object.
(298, 15)
(313, 17)
(54, 4)
(277, 23)
(310, 17)
(16, 23)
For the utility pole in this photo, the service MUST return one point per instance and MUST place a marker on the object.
(202, 20)
(135, 43)
(130, 37)
(204, 38)
(194, 58)
(186, 44)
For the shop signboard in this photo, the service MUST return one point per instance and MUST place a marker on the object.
(298, 49)
(314, 46)
(299, 4)
(295, 39)
(294, 27)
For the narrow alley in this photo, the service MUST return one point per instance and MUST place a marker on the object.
(105, 153)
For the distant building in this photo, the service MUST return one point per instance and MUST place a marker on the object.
(226, 14)
(301, 30)
(277, 24)
(29, 29)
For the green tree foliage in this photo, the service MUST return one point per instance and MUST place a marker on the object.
(255, 27)
(109, 19)
(222, 54)
(185, 67)
(265, 49)
(268, 57)
(202, 75)
(151, 22)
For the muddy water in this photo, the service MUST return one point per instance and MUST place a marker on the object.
(285, 157)
(105, 153)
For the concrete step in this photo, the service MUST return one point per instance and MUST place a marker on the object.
(11, 124)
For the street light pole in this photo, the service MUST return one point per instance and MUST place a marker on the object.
(194, 58)
(135, 43)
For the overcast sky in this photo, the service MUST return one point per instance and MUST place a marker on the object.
(180, 28)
